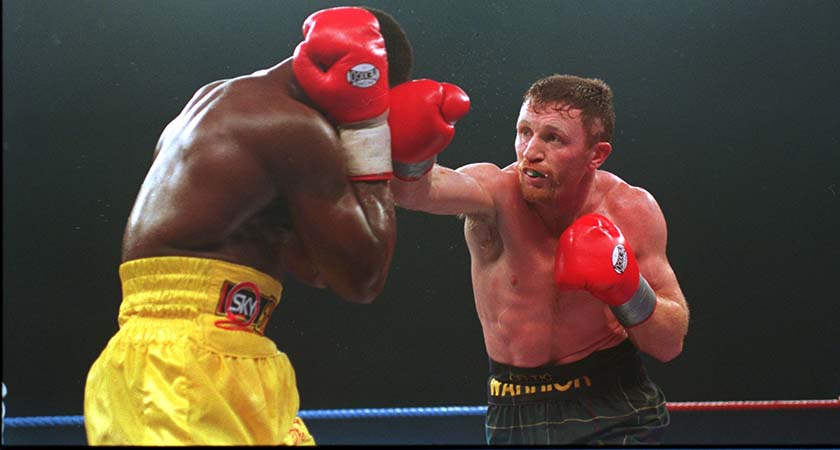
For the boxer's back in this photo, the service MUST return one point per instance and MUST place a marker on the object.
(212, 190)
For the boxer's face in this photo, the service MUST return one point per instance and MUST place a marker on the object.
(551, 150)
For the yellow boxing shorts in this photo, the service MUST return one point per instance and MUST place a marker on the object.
(189, 364)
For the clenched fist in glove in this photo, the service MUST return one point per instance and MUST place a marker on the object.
(343, 67)
(422, 120)
(593, 255)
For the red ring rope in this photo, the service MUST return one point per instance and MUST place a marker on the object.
(751, 405)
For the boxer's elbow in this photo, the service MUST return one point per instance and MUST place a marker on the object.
(362, 287)
(367, 294)
(365, 276)
(668, 353)
(374, 277)
(665, 335)
(664, 345)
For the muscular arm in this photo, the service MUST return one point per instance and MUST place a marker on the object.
(446, 191)
(299, 263)
(643, 223)
(348, 229)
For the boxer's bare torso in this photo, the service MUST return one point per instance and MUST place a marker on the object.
(526, 321)
(250, 174)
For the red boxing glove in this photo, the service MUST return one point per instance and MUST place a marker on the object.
(342, 65)
(593, 255)
(422, 121)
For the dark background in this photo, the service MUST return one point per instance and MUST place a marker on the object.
(727, 112)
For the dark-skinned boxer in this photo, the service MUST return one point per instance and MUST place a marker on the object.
(283, 171)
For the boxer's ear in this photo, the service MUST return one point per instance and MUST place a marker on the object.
(601, 153)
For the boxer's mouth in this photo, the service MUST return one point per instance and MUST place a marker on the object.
(534, 174)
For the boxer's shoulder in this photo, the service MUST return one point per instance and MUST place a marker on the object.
(616, 196)
(491, 177)
(633, 209)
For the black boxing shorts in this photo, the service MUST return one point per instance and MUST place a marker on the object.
(603, 399)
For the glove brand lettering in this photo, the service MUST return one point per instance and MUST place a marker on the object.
(363, 75)
(619, 259)
(348, 42)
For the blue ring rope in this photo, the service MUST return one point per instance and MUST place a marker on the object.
(314, 414)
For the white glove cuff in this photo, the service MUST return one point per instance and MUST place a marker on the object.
(368, 152)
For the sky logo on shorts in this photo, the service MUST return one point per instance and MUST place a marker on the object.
(243, 307)
(363, 75)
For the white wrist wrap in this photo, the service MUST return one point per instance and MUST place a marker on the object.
(638, 308)
(368, 151)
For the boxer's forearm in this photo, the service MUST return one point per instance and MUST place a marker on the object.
(661, 336)
(377, 203)
(412, 194)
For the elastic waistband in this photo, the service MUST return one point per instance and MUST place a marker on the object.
(185, 287)
(601, 372)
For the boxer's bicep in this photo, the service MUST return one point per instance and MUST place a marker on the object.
(645, 227)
